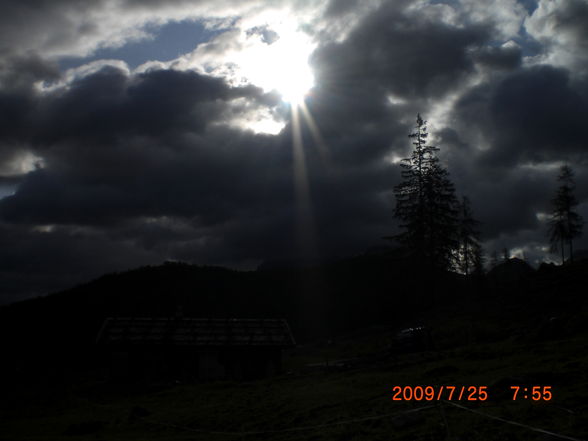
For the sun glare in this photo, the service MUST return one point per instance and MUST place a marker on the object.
(281, 65)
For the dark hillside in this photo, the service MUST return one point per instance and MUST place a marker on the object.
(493, 331)
(319, 303)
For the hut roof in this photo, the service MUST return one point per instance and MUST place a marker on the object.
(196, 332)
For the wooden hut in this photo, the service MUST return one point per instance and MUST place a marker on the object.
(194, 348)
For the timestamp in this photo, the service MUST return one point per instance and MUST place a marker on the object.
(467, 393)
(535, 393)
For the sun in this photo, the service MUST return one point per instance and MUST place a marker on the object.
(281, 66)
(293, 81)
(291, 75)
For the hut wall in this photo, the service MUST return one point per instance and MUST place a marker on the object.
(148, 363)
(210, 366)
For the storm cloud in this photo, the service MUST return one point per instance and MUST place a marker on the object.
(104, 167)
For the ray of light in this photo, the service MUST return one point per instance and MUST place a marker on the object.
(316, 134)
(305, 222)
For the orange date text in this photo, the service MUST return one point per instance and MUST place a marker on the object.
(438, 393)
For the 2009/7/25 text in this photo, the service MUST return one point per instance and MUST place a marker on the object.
(431, 393)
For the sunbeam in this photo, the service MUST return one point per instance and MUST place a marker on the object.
(305, 222)
(316, 134)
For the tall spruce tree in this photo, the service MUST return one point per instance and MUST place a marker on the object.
(426, 203)
(469, 256)
(565, 223)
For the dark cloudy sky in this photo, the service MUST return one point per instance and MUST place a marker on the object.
(133, 132)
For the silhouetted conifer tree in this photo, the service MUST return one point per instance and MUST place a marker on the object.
(426, 204)
(469, 256)
(565, 223)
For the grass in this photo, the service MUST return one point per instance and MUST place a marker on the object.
(86, 408)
